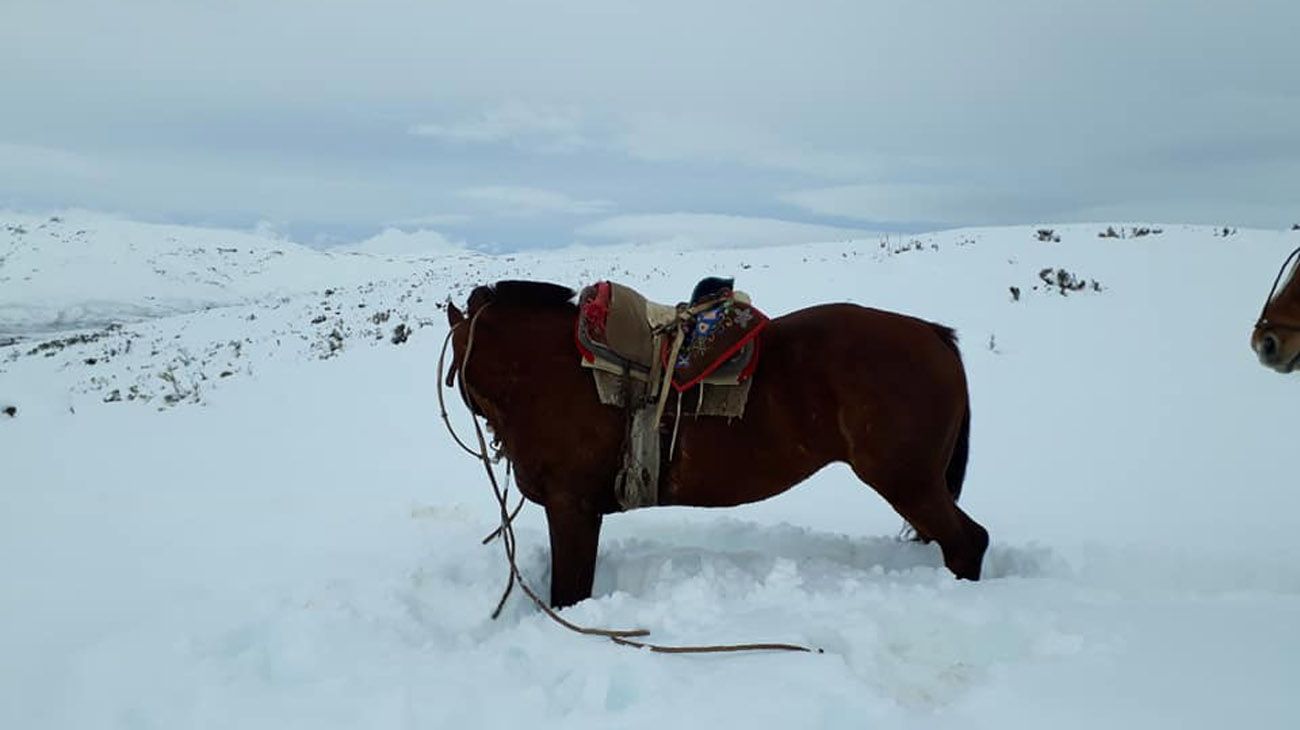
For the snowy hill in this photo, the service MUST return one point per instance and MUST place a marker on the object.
(229, 501)
(80, 271)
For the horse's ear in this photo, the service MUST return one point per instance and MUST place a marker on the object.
(454, 315)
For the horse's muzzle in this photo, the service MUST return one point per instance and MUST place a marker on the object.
(1266, 346)
(1272, 353)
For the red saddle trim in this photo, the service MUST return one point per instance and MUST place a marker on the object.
(721, 360)
(593, 314)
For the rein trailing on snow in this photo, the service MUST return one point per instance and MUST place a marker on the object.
(487, 455)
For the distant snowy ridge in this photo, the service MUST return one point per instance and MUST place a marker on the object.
(279, 300)
(397, 242)
(82, 270)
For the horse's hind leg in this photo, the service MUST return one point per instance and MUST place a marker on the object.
(977, 541)
(929, 507)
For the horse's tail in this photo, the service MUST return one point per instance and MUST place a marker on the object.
(956, 472)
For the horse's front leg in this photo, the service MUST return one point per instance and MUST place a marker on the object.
(574, 525)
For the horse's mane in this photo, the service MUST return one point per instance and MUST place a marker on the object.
(948, 335)
(528, 294)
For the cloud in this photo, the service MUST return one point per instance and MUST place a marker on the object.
(525, 202)
(24, 161)
(931, 112)
(540, 129)
(929, 203)
(703, 230)
(687, 137)
(652, 136)
(433, 219)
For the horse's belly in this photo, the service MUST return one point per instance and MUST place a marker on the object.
(722, 472)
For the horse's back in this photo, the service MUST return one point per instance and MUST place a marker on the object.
(835, 341)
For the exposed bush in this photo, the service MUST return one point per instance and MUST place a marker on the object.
(1135, 232)
(1065, 282)
(892, 248)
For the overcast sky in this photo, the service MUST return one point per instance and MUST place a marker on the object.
(518, 124)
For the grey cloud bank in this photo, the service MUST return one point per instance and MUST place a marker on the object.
(515, 125)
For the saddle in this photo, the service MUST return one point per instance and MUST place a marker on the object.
(639, 351)
(616, 328)
(715, 335)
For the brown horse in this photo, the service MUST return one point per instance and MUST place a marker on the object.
(1276, 337)
(884, 392)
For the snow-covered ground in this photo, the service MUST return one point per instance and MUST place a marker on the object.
(238, 507)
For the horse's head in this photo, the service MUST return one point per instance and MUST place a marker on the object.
(492, 321)
(1276, 337)
(478, 298)
(461, 324)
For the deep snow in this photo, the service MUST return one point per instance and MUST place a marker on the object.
(267, 526)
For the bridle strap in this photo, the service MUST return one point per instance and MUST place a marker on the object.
(1263, 320)
(458, 367)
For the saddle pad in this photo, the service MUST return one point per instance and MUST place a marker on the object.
(726, 335)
